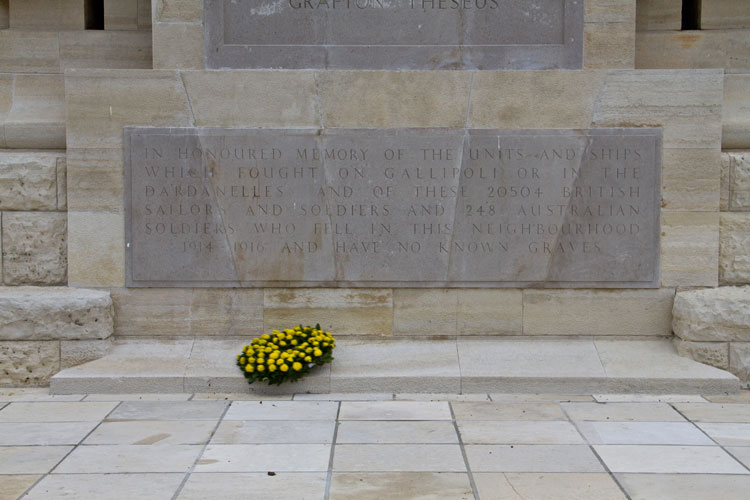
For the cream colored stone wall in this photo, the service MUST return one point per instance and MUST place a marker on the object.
(4, 17)
(654, 15)
(48, 14)
(127, 14)
(725, 14)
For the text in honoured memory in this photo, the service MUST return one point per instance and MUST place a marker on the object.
(394, 207)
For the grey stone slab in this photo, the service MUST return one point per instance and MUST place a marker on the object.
(398, 458)
(508, 411)
(396, 432)
(666, 433)
(395, 410)
(56, 412)
(728, 434)
(282, 410)
(532, 458)
(543, 486)
(44, 433)
(518, 432)
(669, 459)
(106, 486)
(401, 34)
(30, 459)
(622, 412)
(379, 485)
(282, 432)
(685, 486)
(264, 458)
(150, 432)
(392, 207)
(129, 458)
(234, 486)
(741, 453)
(716, 412)
(169, 410)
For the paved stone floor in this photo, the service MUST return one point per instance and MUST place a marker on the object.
(373, 446)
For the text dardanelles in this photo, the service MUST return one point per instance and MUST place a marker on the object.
(384, 4)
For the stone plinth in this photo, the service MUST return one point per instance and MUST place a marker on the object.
(713, 315)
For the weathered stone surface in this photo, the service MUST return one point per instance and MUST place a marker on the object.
(96, 255)
(94, 179)
(54, 313)
(185, 11)
(28, 181)
(736, 120)
(609, 45)
(342, 312)
(34, 248)
(726, 167)
(46, 14)
(36, 119)
(711, 353)
(29, 51)
(515, 34)
(28, 363)
(163, 312)
(105, 49)
(462, 208)
(728, 49)
(689, 180)
(4, 14)
(457, 312)
(724, 14)
(77, 352)
(713, 315)
(121, 14)
(734, 257)
(689, 248)
(658, 15)
(62, 184)
(738, 172)
(597, 312)
(179, 45)
(739, 360)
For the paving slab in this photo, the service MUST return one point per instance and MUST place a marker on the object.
(649, 398)
(236, 396)
(169, 410)
(106, 487)
(675, 433)
(396, 432)
(622, 412)
(727, 434)
(44, 433)
(685, 486)
(56, 412)
(282, 410)
(12, 487)
(342, 396)
(532, 458)
(540, 397)
(36, 394)
(715, 412)
(415, 396)
(148, 432)
(264, 458)
(395, 410)
(507, 411)
(137, 397)
(740, 397)
(398, 458)
(669, 459)
(741, 453)
(544, 486)
(417, 485)
(30, 459)
(274, 432)
(241, 486)
(523, 432)
(112, 459)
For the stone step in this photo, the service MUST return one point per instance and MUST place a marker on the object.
(464, 365)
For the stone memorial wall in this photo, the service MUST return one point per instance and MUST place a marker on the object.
(392, 207)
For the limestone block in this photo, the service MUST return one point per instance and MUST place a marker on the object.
(690, 179)
(105, 49)
(736, 121)
(456, 312)
(356, 311)
(62, 184)
(686, 104)
(6, 100)
(597, 312)
(184, 11)
(713, 315)
(77, 352)
(96, 249)
(260, 98)
(48, 14)
(37, 116)
(739, 183)
(729, 49)
(689, 248)
(658, 15)
(394, 98)
(144, 14)
(28, 181)
(4, 14)
(725, 14)
(121, 14)
(95, 179)
(609, 34)
(101, 102)
(29, 52)
(726, 166)
(34, 248)
(734, 257)
(54, 313)
(739, 360)
(226, 311)
(178, 46)
(711, 353)
(28, 363)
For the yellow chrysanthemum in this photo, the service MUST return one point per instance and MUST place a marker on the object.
(261, 368)
(308, 358)
(284, 368)
(318, 352)
(265, 336)
(297, 366)
(249, 368)
(271, 368)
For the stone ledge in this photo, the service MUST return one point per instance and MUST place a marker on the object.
(54, 313)
(713, 315)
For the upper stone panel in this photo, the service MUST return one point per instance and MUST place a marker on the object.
(394, 34)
